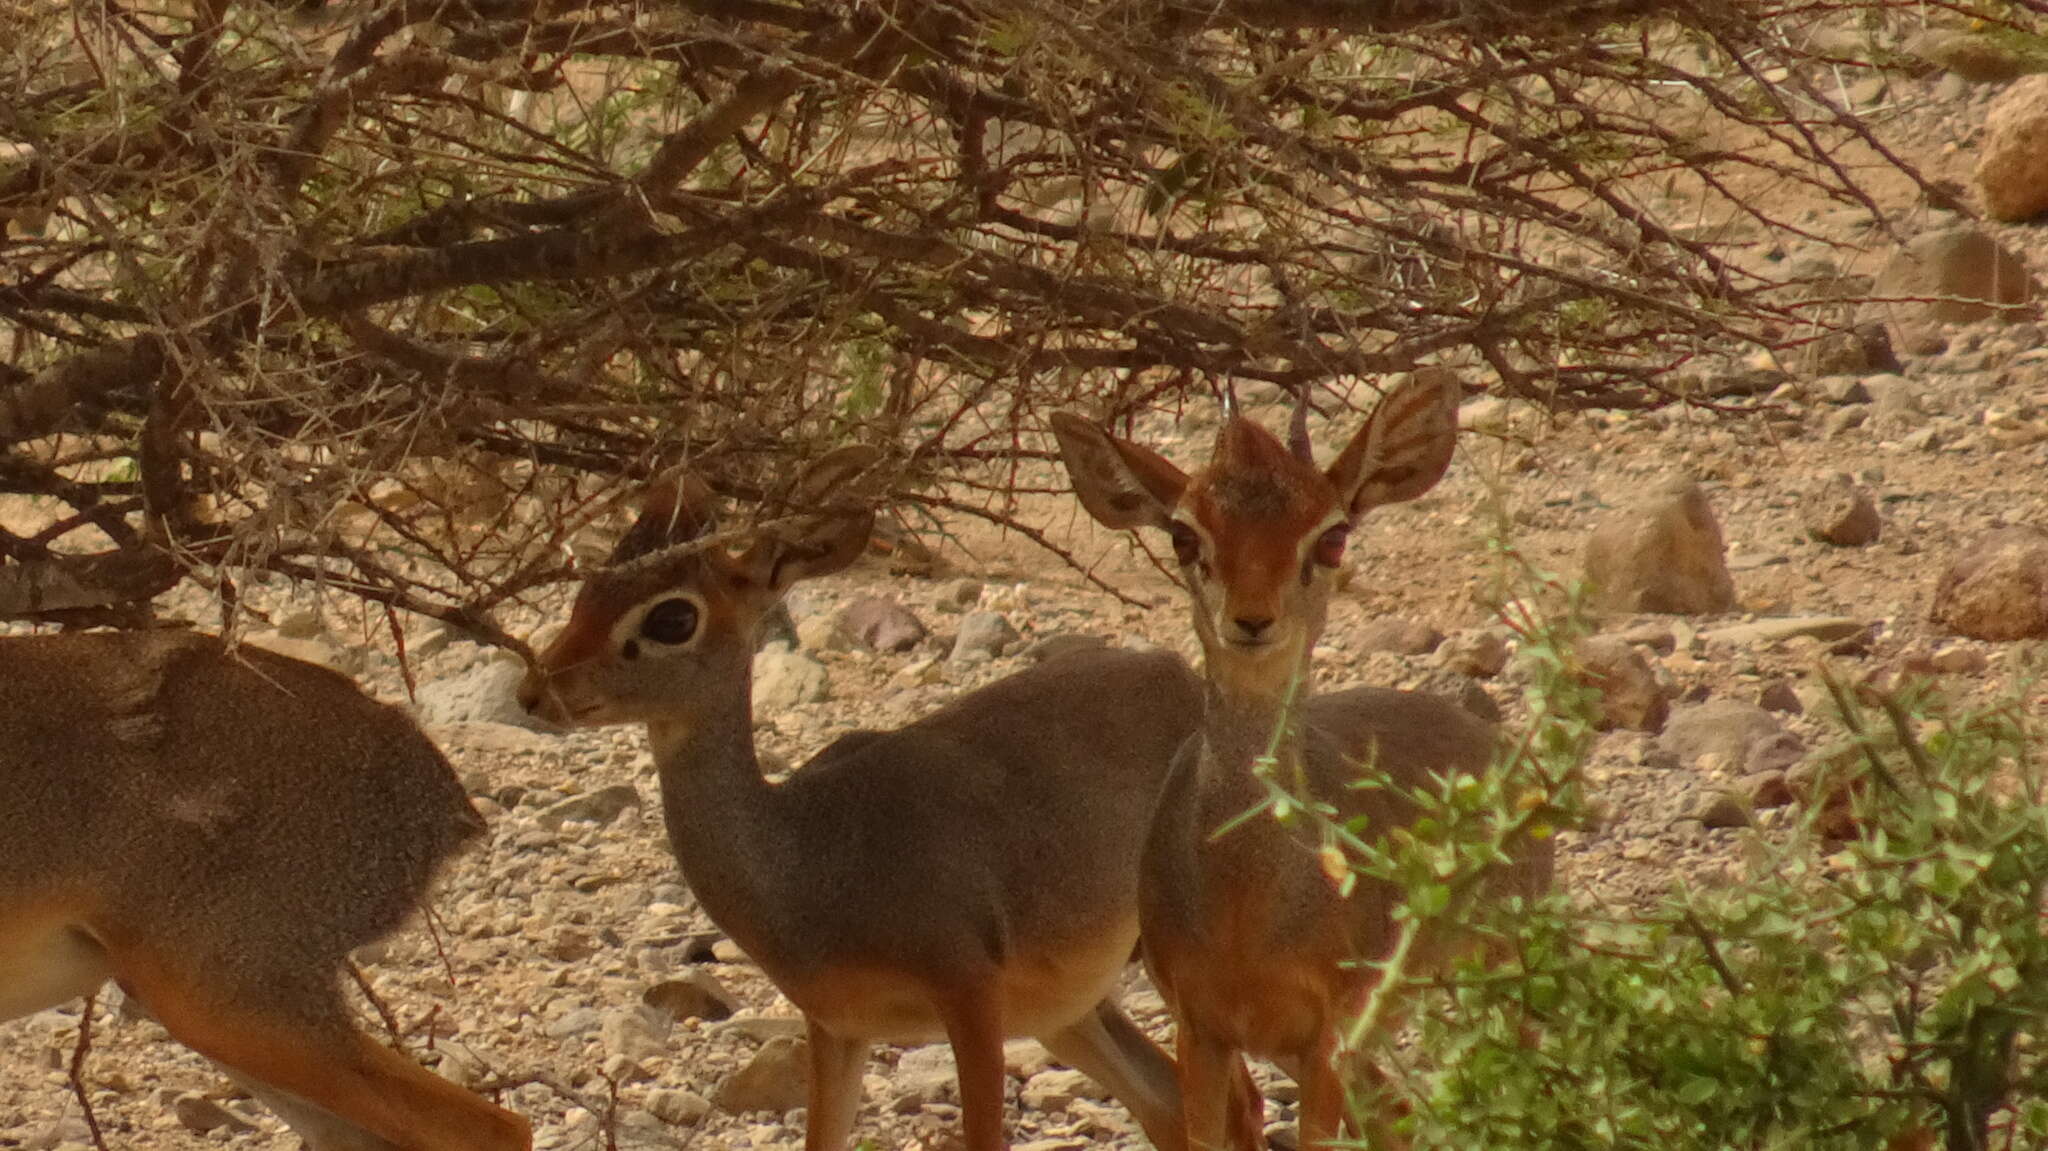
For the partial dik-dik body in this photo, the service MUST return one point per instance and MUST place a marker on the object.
(969, 877)
(216, 828)
(1251, 945)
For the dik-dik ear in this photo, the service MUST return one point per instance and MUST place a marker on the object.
(821, 544)
(1405, 446)
(674, 509)
(1121, 484)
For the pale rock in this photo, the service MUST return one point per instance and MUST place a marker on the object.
(1664, 555)
(694, 994)
(983, 635)
(784, 679)
(1997, 587)
(1053, 1090)
(2012, 161)
(602, 806)
(880, 623)
(1399, 636)
(1725, 728)
(197, 1113)
(486, 692)
(1630, 695)
(634, 1035)
(677, 1108)
(918, 673)
(1770, 631)
(1964, 275)
(773, 1080)
(1481, 653)
(825, 631)
(1842, 513)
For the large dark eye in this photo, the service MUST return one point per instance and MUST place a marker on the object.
(672, 621)
(1329, 549)
(1187, 546)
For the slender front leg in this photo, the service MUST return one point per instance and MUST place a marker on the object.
(974, 1025)
(1210, 1087)
(836, 1065)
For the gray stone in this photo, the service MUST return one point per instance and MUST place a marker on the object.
(634, 1034)
(1725, 728)
(1768, 631)
(1400, 636)
(783, 679)
(692, 995)
(601, 806)
(773, 1080)
(1062, 645)
(197, 1113)
(1996, 588)
(1664, 555)
(578, 1021)
(983, 635)
(880, 623)
(486, 692)
(1054, 1089)
(677, 1108)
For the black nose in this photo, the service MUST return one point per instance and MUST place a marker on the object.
(1252, 627)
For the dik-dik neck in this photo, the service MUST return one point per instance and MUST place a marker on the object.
(726, 823)
(1251, 714)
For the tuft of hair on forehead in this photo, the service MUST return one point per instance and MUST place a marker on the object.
(1251, 473)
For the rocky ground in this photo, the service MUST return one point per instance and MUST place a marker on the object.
(569, 969)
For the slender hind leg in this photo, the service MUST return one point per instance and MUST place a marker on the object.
(1215, 1091)
(1108, 1048)
(836, 1065)
(974, 1025)
(291, 1039)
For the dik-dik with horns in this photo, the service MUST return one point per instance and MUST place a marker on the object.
(1252, 946)
(969, 877)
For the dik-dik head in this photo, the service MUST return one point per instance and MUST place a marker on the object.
(1259, 533)
(675, 609)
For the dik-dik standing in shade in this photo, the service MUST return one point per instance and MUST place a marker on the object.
(215, 829)
(969, 877)
(1250, 943)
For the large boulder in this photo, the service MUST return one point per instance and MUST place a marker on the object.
(1663, 555)
(2012, 165)
(1997, 587)
(1955, 276)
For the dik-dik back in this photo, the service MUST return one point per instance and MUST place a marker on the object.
(215, 829)
(172, 780)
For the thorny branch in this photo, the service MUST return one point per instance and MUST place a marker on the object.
(395, 298)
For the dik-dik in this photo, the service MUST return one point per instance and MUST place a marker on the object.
(215, 828)
(1253, 948)
(969, 877)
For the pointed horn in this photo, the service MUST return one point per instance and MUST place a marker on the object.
(1297, 429)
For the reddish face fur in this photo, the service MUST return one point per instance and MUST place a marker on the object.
(1260, 507)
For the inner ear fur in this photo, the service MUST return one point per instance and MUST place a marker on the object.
(1121, 484)
(1405, 446)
